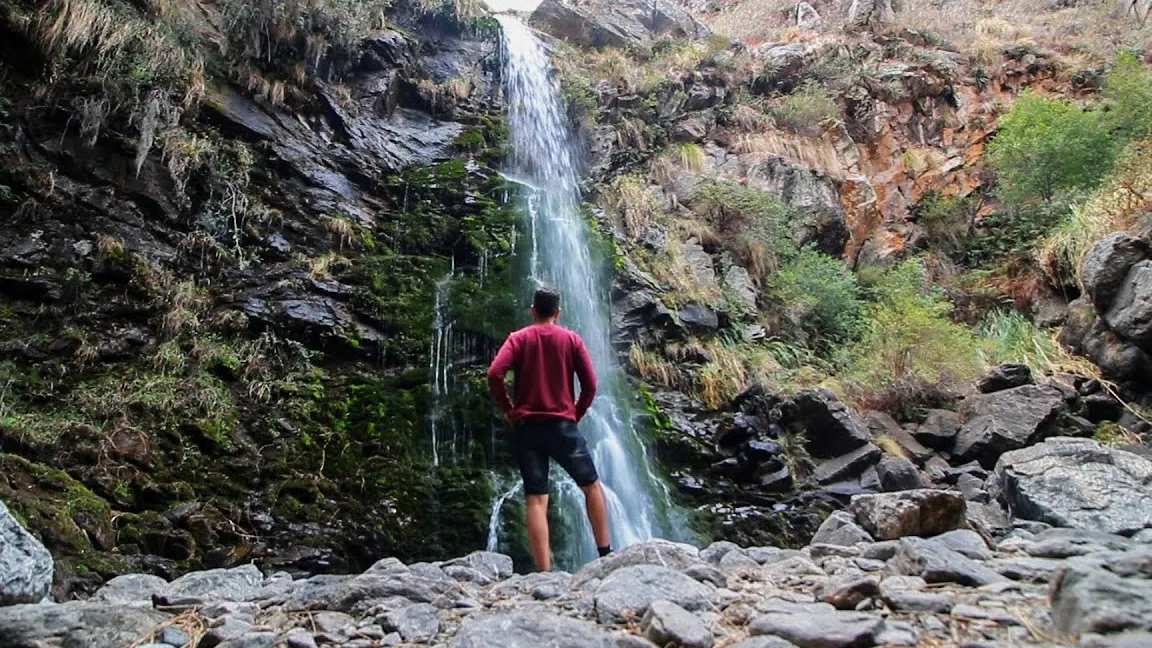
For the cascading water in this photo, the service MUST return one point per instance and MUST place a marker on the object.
(545, 161)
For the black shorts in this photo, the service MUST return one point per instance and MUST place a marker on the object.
(533, 442)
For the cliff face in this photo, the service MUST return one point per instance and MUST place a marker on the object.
(218, 284)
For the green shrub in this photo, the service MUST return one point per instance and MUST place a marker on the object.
(1128, 90)
(754, 224)
(912, 355)
(1044, 147)
(820, 296)
(807, 110)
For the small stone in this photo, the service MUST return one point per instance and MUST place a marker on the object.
(629, 591)
(910, 601)
(763, 642)
(371, 631)
(300, 638)
(820, 551)
(174, 636)
(835, 630)
(252, 640)
(131, 589)
(229, 628)
(419, 622)
(737, 561)
(632, 641)
(847, 593)
(964, 611)
(840, 528)
(897, 633)
(717, 550)
(965, 542)
(1025, 569)
(666, 623)
(336, 623)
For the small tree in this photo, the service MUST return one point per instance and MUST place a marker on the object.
(1044, 147)
(1128, 90)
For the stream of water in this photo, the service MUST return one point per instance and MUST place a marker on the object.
(546, 160)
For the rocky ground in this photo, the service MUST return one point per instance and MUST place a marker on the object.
(907, 568)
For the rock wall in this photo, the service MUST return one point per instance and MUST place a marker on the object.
(215, 336)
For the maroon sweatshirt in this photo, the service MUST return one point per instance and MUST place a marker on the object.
(544, 358)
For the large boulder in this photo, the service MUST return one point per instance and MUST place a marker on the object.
(1103, 592)
(1078, 483)
(26, 567)
(615, 23)
(830, 428)
(655, 552)
(1130, 314)
(939, 429)
(75, 624)
(1107, 264)
(868, 15)
(1087, 334)
(1008, 420)
(630, 591)
(924, 512)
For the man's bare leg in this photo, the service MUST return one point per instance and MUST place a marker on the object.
(537, 524)
(598, 513)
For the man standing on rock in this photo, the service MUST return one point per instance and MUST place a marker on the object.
(544, 412)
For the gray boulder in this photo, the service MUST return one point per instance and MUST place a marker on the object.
(75, 624)
(1104, 592)
(666, 624)
(830, 428)
(1106, 266)
(493, 565)
(1007, 420)
(1130, 314)
(939, 429)
(1078, 483)
(936, 563)
(898, 474)
(131, 589)
(840, 528)
(419, 622)
(615, 23)
(237, 584)
(26, 567)
(529, 630)
(1089, 335)
(628, 592)
(847, 466)
(673, 555)
(924, 512)
(828, 630)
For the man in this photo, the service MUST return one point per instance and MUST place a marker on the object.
(544, 412)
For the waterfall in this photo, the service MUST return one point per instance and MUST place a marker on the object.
(545, 161)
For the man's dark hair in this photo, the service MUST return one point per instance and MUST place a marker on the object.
(546, 301)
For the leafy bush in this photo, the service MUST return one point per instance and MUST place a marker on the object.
(1044, 147)
(1123, 203)
(911, 355)
(1128, 90)
(820, 296)
(754, 224)
(807, 110)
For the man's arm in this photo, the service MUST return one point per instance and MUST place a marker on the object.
(499, 368)
(586, 374)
